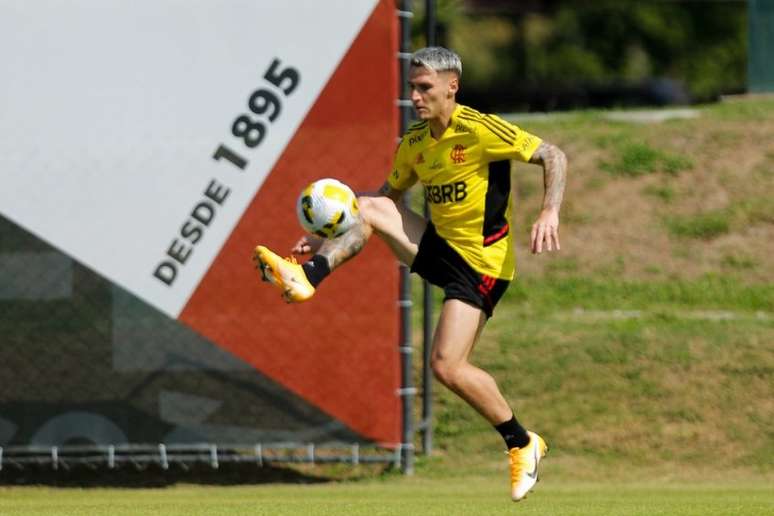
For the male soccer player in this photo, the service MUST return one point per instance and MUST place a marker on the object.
(462, 158)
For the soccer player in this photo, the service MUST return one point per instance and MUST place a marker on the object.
(462, 158)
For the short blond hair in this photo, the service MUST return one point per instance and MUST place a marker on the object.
(439, 59)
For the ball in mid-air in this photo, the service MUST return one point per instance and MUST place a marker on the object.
(327, 208)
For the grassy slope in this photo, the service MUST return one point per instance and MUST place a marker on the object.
(646, 347)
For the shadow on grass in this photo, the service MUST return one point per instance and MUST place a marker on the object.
(154, 476)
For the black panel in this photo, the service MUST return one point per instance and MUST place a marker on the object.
(497, 192)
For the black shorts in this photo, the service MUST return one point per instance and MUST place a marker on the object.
(441, 265)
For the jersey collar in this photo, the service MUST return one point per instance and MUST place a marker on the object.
(452, 122)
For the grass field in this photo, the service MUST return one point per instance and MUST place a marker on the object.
(471, 496)
(643, 352)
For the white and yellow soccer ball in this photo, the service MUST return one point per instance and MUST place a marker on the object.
(327, 208)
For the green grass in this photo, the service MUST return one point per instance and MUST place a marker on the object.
(625, 379)
(636, 159)
(569, 292)
(705, 226)
(712, 224)
(747, 111)
(473, 496)
(665, 193)
(755, 210)
(739, 261)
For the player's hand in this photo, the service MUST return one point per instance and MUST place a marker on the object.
(307, 244)
(545, 232)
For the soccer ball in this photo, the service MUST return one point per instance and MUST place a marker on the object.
(327, 208)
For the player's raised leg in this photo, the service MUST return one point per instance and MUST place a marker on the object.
(459, 328)
(400, 228)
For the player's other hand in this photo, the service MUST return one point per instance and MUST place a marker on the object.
(545, 232)
(307, 244)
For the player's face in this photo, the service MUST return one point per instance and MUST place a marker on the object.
(432, 92)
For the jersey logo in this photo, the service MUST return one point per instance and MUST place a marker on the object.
(462, 128)
(458, 154)
(416, 139)
(450, 192)
(420, 159)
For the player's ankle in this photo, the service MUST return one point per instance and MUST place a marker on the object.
(513, 433)
(316, 269)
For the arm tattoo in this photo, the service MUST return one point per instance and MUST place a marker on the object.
(341, 249)
(554, 173)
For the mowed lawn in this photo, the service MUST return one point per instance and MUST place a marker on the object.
(468, 496)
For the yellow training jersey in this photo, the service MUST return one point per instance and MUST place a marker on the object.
(467, 179)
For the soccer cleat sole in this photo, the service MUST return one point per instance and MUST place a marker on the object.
(264, 277)
(267, 274)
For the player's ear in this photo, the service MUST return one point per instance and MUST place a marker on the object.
(454, 85)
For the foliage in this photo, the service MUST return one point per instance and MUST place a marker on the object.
(556, 54)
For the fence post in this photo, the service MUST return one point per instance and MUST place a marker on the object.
(406, 392)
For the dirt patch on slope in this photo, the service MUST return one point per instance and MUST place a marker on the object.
(716, 216)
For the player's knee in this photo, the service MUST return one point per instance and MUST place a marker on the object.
(376, 210)
(445, 371)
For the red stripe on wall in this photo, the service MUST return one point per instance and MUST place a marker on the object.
(338, 350)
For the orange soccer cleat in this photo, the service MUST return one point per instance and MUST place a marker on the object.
(285, 273)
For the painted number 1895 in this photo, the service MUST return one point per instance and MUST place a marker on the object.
(265, 106)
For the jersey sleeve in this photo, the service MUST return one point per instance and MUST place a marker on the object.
(503, 140)
(402, 176)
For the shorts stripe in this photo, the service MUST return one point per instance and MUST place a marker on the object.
(491, 239)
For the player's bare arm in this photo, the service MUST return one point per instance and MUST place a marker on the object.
(546, 229)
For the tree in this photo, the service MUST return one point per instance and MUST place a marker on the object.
(562, 54)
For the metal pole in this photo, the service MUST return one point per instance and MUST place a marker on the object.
(430, 23)
(427, 297)
(407, 390)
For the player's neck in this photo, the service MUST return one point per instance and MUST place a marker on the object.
(439, 124)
